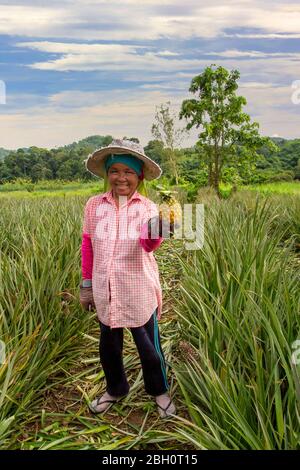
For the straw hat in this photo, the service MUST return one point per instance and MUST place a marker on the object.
(95, 162)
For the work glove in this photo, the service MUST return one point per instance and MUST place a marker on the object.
(86, 298)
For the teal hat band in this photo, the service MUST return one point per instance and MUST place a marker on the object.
(127, 159)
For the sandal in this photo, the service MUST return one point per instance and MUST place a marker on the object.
(97, 402)
(168, 411)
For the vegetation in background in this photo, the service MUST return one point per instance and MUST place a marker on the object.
(227, 136)
(67, 164)
(229, 151)
(164, 131)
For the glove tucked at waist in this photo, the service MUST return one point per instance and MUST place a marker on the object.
(86, 298)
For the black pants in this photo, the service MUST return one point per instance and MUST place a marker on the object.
(147, 340)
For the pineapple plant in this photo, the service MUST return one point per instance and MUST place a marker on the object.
(169, 208)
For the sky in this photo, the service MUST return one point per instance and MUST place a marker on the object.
(70, 69)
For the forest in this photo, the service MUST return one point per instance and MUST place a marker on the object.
(66, 163)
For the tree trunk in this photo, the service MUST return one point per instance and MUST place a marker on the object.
(173, 165)
(216, 169)
(210, 174)
(210, 166)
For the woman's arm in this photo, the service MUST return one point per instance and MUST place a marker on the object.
(86, 245)
(147, 243)
(86, 289)
(86, 256)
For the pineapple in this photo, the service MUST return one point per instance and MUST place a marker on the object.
(169, 208)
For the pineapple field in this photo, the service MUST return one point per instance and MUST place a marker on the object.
(230, 330)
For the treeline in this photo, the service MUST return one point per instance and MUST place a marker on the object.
(67, 163)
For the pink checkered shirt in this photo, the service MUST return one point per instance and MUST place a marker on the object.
(125, 276)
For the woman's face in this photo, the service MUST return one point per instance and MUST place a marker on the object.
(122, 179)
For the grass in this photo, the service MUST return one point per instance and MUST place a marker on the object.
(22, 188)
(239, 316)
(276, 188)
(230, 316)
(52, 366)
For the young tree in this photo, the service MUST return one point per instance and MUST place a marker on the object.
(227, 137)
(40, 171)
(164, 130)
(133, 139)
(155, 149)
(297, 171)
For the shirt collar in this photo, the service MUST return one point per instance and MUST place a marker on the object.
(109, 197)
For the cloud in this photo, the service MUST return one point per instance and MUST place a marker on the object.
(167, 53)
(105, 50)
(234, 53)
(262, 98)
(54, 124)
(144, 64)
(68, 116)
(31, 20)
(257, 85)
(88, 57)
(172, 86)
(142, 54)
(262, 36)
(150, 20)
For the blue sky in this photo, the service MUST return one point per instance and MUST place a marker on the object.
(83, 67)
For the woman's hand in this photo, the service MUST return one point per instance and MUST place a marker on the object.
(86, 298)
(158, 227)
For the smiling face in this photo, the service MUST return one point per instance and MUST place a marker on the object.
(123, 180)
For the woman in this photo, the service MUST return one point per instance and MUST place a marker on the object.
(121, 229)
